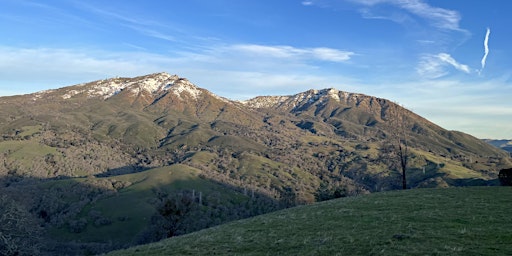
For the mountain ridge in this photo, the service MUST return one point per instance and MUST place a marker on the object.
(327, 112)
(163, 139)
(153, 83)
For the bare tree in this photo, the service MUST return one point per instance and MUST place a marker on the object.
(19, 231)
(398, 138)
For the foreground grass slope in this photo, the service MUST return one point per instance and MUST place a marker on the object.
(452, 221)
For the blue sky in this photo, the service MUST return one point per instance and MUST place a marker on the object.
(449, 61)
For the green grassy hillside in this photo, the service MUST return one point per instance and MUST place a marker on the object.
(129, 208)
(452, 221)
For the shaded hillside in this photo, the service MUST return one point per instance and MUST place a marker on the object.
(131, 137)
(84, 216)
(454, 221)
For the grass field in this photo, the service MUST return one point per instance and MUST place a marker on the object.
(452, 221)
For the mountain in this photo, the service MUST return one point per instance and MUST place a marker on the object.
(79, 158)
(503, 144)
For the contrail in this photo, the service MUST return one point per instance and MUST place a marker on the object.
(486, 48)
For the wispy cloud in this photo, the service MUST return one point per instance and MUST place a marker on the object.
(143, 26)
(486, 49)
(445, 57)
(395, 17)
(437, 17)
(329, 54)
(48, 14)
(281, 52)
(434, 65)
(50, 67)
(153, 33)
(53, 67)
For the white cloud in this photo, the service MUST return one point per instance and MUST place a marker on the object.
(430, 67)
(283, 52)
(426, 42)
(267, 51)
(143, 26)
(486, 48)
(445, 57)
(438, 17)
(329, 54)
(152, 33)
(43, 68)
(434, 66)
(442, 18)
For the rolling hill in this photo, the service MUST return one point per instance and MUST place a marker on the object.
(454, 221)
(123, 161)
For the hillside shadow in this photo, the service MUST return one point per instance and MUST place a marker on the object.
(56, 215)
(45, 207)
(121, 171)
(472, 182)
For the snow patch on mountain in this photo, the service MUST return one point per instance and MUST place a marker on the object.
(183, 85)
(39, 95)
(264, 101)
(71, 94)
(106, 88)
(308, 97)
(333, 93)
(152, 83)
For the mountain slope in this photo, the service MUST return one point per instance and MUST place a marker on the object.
(414, 222)
(159, 119)
(266, 153)
(363, 117)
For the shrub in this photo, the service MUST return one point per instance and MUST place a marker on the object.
(505, 177)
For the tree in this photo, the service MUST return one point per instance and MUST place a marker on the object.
(19, 231)
(505, 177)
(398, 138)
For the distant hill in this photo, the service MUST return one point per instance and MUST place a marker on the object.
(123, 161)
(503, 144)
(454, 221)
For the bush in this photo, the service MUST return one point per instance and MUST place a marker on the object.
(77, 226)
(19, 231)
(505, 177)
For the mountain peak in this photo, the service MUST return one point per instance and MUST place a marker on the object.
(152, 83)
(330, 92)
(265, 101)
(307, 97)
(183, 85)
(106, 88)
